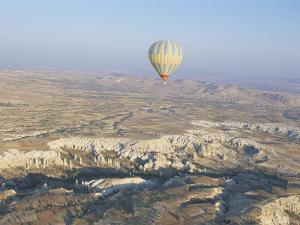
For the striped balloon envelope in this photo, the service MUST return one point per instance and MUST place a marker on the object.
(165, 56)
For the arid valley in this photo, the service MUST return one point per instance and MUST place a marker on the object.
(79, 148)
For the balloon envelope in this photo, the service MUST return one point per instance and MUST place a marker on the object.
(165, 56)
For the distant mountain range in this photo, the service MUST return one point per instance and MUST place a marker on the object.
(174, 88)
(198, 90)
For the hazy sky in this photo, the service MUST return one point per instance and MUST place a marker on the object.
(225, 38)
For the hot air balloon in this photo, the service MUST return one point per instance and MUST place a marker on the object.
(165, 56)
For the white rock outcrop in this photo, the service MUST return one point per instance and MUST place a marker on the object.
(279, 211)
(32, 159)
(270, 128)
(149, 154)
(212, 141)
(171, 151)
(109, 186)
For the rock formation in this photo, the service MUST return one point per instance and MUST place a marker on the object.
(285, 210)
(106, 187)
(33, 159)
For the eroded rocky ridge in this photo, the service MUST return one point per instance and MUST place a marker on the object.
(215, 173)
(285, 210)
(217, 145)
(38, 159)
(269, 128)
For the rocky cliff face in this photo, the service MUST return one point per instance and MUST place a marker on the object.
(106, 187)
(33, 159)
(180, 152)
(285, 210)
(290, 132)
(235, 161)
(210, 143)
